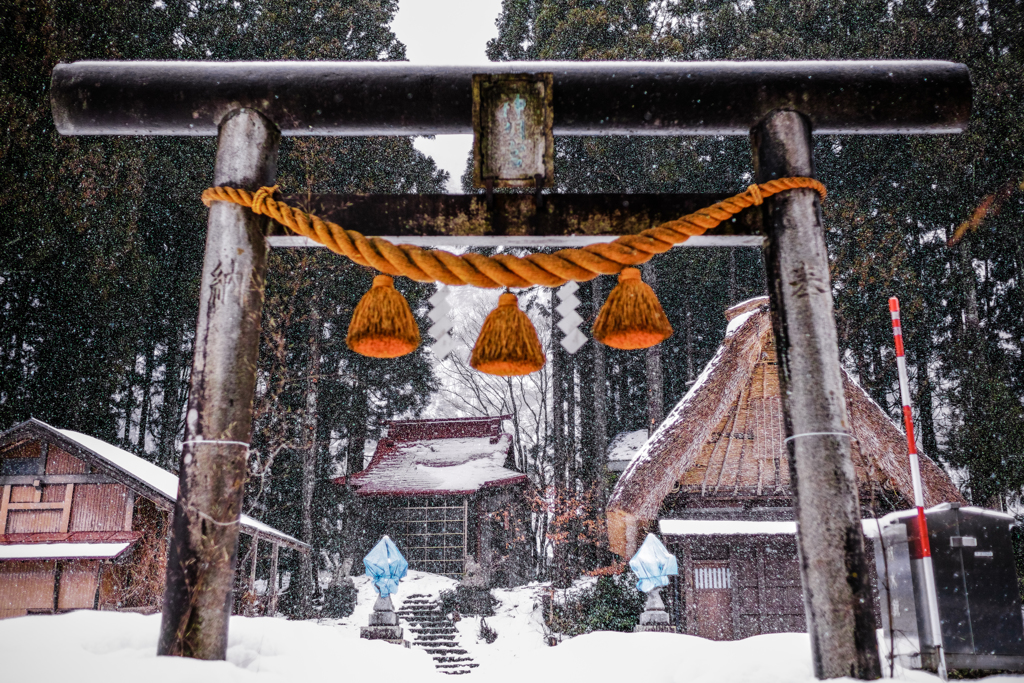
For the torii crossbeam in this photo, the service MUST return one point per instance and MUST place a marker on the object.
(779, 105)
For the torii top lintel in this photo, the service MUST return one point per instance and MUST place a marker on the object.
(590, 98)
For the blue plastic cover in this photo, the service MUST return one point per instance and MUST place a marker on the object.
(653, 564)
(386, 566)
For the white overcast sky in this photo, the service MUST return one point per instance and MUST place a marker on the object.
(447, 32)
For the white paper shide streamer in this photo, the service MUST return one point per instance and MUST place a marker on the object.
(574, 339)
(439, 315)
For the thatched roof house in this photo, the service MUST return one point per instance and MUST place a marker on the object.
(721, 448)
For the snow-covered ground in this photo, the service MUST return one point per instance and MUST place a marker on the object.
(104, 646)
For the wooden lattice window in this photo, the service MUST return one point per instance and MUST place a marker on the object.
(430, 532)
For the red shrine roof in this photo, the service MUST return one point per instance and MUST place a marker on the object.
(438, 458)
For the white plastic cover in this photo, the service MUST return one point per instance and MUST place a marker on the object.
(386, 566)
(653, 564)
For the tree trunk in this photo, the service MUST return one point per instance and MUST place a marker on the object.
(309, 460)
(357, 431)
(600, 391)
(171, 404)
(690, 377)
(732, 275)
(571, 437)
(147, 392)
(557, 404)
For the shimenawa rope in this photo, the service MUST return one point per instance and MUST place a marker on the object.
(504, 270)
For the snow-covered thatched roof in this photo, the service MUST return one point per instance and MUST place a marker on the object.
(725, 439)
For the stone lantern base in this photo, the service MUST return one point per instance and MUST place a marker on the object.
(384, 624)
(654, 617)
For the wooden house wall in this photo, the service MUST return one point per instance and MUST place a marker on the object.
(100, 507)
(59, 462)
(764, 594)
(135, 581)
(78, 581)
(60, 507)
(48, 490)
(26, 586)
(49, 507)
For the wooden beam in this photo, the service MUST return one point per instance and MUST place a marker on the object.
(252, 568)
(36, 506)
(564, 220)
(5, 500)
(589, 98)
(65, 517)
(129, 510)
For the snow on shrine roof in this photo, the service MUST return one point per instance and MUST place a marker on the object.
(625, 445)
(156, 479)
(438, 457)
(62, 551)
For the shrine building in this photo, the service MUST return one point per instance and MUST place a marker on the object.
(445, 491)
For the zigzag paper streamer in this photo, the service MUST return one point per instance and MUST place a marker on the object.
(442, 323)
(569, 324)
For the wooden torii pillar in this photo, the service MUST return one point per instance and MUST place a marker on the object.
(779, 105)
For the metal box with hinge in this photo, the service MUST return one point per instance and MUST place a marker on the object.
(976, 581)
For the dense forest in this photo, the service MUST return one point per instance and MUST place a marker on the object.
(103, 238)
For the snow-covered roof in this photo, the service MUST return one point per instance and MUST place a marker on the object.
(710, 527)
(62, 551)
(155, 479)
(438, 457)
(726, 439)
(624, 448)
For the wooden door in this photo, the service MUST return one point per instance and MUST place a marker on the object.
(712, 583)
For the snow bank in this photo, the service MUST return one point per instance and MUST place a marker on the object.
(104, 646)
(107, 646)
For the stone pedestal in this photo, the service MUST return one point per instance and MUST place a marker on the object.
(383, 624)
(654, 617)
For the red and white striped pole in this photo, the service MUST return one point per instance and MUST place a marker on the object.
(920, 548)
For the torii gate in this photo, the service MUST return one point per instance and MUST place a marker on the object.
(778, 104)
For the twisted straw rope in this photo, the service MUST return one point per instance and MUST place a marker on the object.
(504, 270)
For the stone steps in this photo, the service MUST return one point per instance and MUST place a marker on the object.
(435, 634)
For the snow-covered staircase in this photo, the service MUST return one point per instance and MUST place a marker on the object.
(435, 634)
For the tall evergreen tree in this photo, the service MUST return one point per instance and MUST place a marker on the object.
(100, 272)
